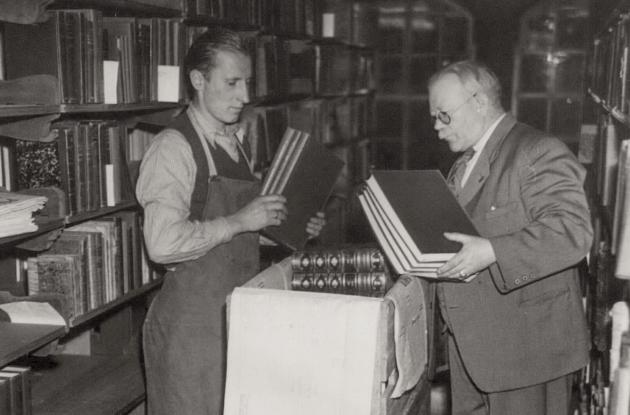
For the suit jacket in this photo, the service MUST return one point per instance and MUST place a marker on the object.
(521, 321)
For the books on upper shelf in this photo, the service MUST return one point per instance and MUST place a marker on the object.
(409, 211)
(304, 171)
(16, 212)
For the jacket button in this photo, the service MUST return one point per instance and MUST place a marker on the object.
(517, 281)
(524, 277)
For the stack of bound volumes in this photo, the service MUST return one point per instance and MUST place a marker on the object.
(353, 271)
(304, 171)
(409, 211)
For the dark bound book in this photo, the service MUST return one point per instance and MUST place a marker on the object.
(25, 379)
(409, 211)
(305, 176)
(349, 270)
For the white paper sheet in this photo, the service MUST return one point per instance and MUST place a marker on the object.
(32, 312)
(300, 353)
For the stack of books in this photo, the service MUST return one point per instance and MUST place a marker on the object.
(16, 212)
(409, 211)
(349, 270)
(304, 171)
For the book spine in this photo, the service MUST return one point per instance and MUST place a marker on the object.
(371, 284)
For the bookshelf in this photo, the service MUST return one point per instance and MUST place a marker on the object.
(415, 39)
(308, 76)
(20, 339)
(550, 67)
(605, 133)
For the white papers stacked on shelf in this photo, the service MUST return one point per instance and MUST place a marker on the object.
(16, 212)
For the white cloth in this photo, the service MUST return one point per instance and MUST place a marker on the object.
(410, 332)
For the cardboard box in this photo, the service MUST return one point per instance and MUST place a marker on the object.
(312, 353)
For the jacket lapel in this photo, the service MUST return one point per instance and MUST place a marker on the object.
(481, 170)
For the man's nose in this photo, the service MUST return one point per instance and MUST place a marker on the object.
(244, 93)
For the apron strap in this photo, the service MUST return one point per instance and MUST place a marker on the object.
(199, 195)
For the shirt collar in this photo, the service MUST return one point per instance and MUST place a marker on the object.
(209, 127)
(479, 145)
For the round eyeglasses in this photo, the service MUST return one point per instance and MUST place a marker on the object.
(445, 117)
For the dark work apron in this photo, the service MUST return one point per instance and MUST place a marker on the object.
(185, 329)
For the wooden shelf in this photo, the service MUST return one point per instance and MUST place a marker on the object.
(109, 108)
(46, 225)
(83, 216)
(9, 111)
(84, 318)
(95, 385)
(117, 7)
(17, 340)
(214, 21)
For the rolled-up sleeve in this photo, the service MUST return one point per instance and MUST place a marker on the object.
(164, 189)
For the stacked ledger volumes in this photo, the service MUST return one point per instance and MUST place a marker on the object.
(409, 211)
(350, 270)
(304, 171)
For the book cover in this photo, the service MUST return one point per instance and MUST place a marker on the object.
(76, 243)
(15, 391)
(56, 274)
(307, 187)
(38, 164)
(409, 211)
(5, 396)
(96, 279)
(66, 141)
(25, 378)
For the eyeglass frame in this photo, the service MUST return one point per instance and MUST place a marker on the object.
(446, 117)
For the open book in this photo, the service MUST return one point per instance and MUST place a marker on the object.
(409, 211)
(304, 171)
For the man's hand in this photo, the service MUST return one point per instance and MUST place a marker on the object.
(476, 254)
(259, 213)
(315, 225)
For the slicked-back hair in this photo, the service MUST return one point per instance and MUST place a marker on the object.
(202, 53)
(474, 76)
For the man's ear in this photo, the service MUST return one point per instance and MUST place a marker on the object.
(481, 101)
(197, 79)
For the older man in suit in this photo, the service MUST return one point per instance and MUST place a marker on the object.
(516, 328)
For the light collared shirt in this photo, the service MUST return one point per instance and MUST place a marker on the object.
(478, 147)
(164, 189)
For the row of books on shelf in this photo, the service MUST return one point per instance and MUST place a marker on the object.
(612, 188)
(346, 270)
(92, 264)
(99, 59)
(350, 21)
(289, 67)
(88, 160)
(610, 75)
(95, 162)
(15, 390)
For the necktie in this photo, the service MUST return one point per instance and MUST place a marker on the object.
(457, 171)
